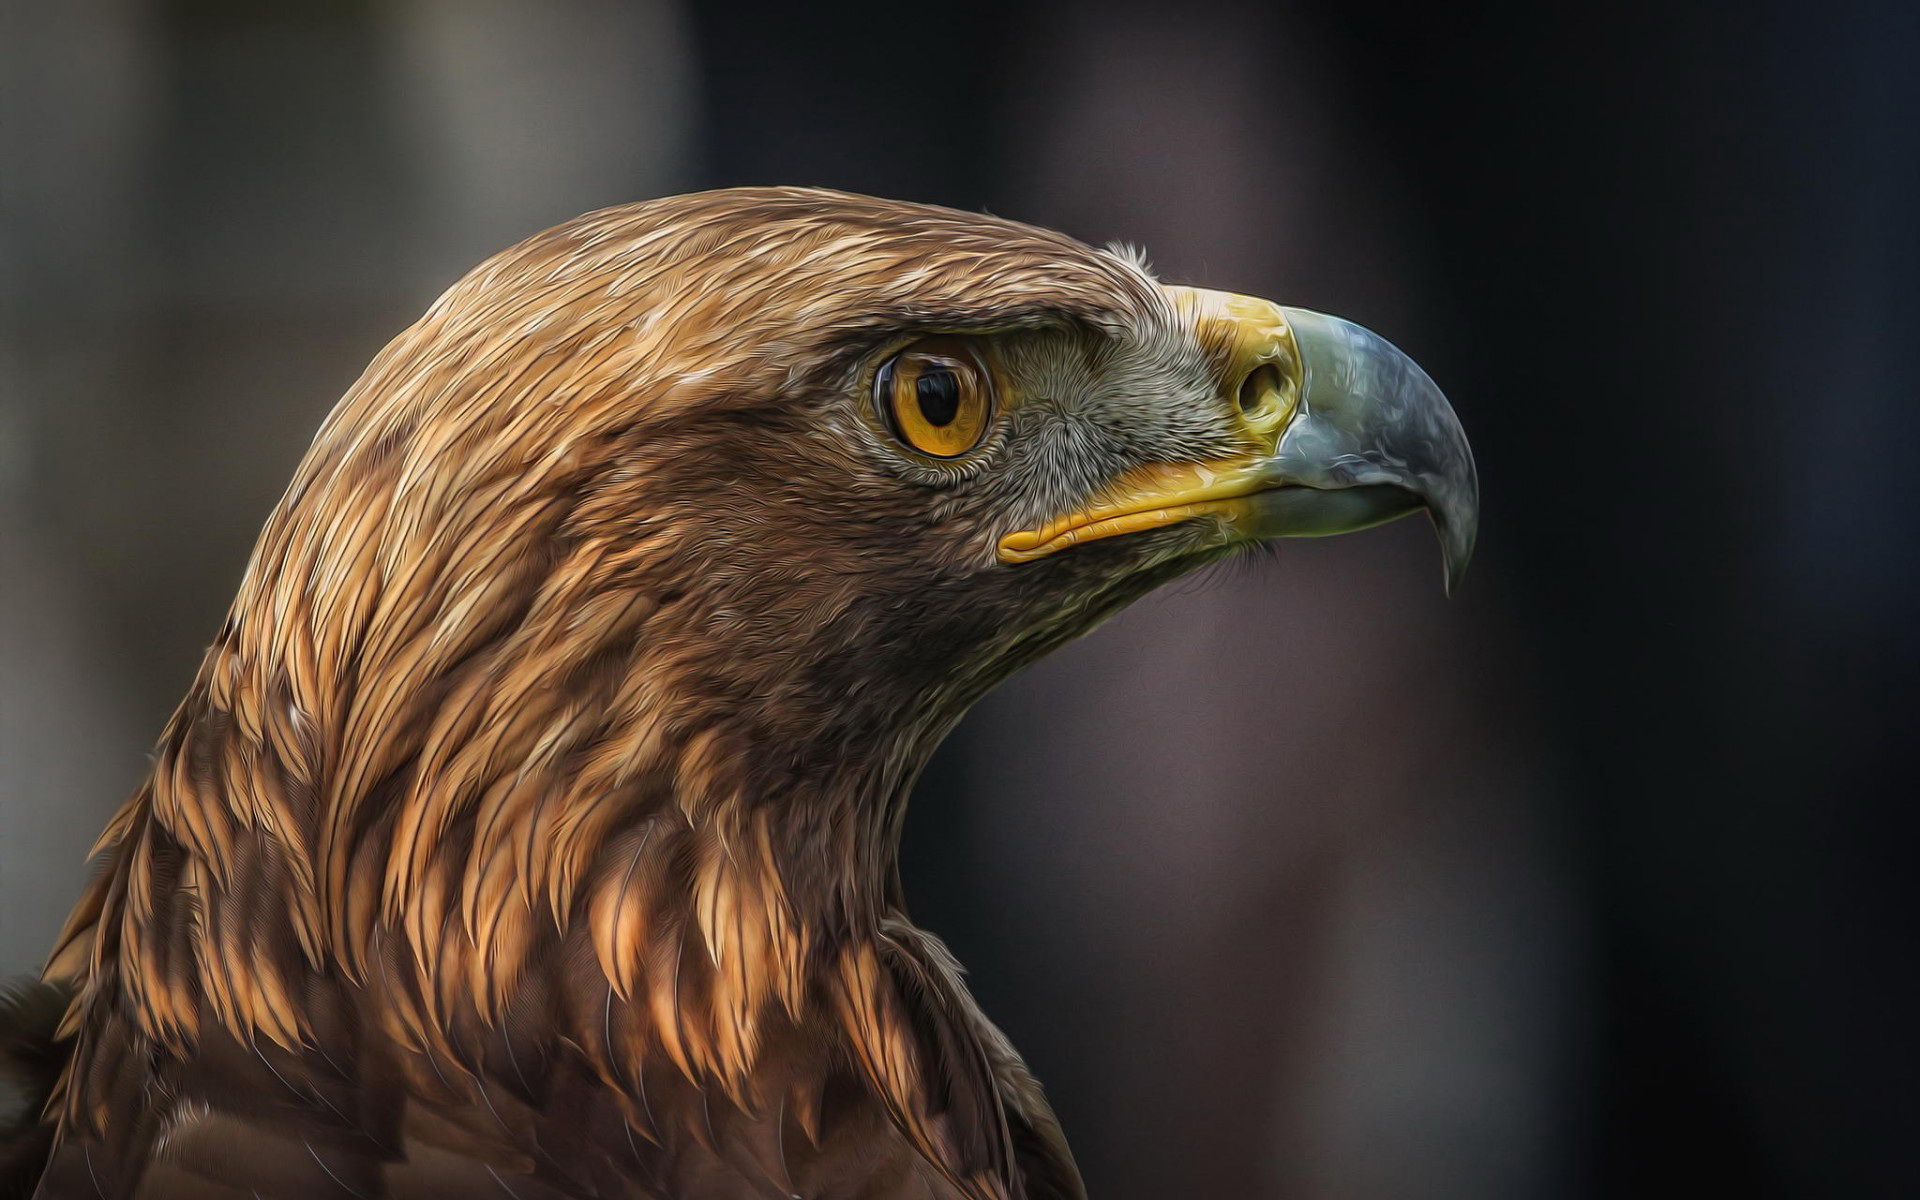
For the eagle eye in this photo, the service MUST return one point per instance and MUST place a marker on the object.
(936, 397)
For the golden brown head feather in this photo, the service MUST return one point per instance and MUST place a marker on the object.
(530, 827)
(571, 697)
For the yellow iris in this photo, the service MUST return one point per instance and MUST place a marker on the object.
(936, 397)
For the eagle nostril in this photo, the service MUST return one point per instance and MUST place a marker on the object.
(1262, 387)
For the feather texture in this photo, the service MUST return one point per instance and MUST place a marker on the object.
(529, 828)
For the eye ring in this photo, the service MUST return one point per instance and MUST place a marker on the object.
(935, 397)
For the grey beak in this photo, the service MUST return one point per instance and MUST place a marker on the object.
(1373, 439)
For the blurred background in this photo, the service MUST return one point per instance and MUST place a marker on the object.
(1295, 881)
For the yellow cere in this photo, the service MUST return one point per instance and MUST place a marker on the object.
(1254, 356)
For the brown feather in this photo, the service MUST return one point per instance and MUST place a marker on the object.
(531, 822)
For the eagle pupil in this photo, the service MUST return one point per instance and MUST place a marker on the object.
(937, 391)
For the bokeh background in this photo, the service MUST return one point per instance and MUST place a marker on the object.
(1297, 881)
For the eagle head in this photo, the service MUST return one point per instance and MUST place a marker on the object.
(825, 468)
(575, 687)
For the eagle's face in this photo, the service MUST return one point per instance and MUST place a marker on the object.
(744, 496)
(569, 700)
(886, 454)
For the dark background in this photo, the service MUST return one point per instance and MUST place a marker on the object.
(1294, 881)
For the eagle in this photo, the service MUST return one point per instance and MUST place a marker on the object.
(530, 827)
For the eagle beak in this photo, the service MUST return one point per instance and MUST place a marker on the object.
(1350, 433)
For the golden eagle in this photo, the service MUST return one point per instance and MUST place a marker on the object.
(530, 828)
